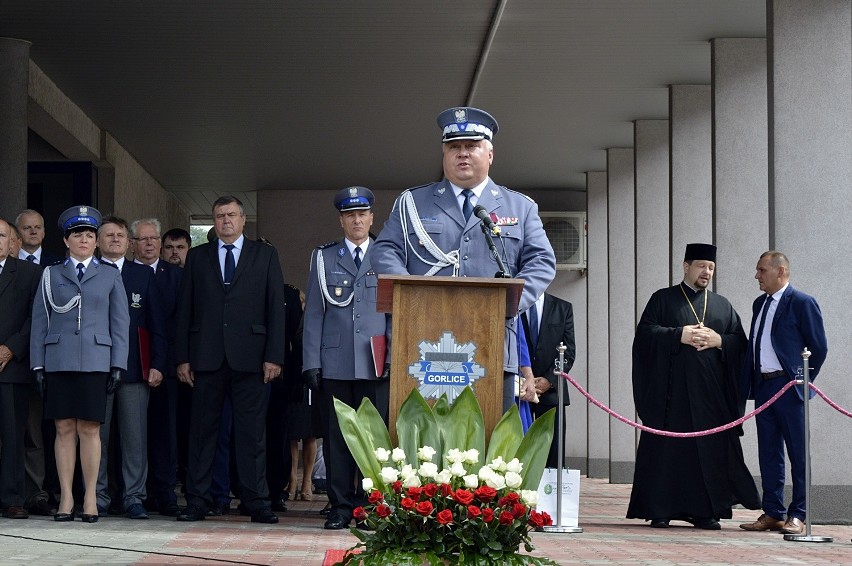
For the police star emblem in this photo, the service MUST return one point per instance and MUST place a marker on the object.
(445, 367)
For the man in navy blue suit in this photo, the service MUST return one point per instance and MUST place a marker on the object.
(145, 369)
(785, 321)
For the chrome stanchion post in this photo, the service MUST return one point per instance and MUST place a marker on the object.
(560, 448)
(805, 381)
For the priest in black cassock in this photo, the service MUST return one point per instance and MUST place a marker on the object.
(687, 355)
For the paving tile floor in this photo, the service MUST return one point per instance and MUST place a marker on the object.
(299, 539)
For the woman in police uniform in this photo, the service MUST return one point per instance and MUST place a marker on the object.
(78, 348)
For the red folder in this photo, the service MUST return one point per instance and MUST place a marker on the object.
(379, 347)
(144, 351)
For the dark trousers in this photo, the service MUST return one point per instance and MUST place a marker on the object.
(278, 459)
(781, 424)
(553, 455)
(344, 489)
(162, 441)
(248, 396)
(14, 408)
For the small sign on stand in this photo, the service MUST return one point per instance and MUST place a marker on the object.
(547, 496)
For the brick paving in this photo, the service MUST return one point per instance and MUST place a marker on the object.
(607, 539)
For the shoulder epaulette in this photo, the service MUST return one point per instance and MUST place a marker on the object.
(326, 246)
(529, 198)
(293, 287)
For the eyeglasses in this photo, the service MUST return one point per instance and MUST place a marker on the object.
(148, 239)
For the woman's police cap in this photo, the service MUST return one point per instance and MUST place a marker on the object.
(79, 217)
(466, 123)
(354, 198)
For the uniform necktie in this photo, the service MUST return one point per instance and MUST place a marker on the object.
(358, 257)
(760, 334)
(230, 263)
(467, 206)
(533, 321)
(31, 258)
(80, 268)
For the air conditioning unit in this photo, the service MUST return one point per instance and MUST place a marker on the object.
(567, 234)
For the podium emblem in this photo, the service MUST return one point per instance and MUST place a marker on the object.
(445, 367)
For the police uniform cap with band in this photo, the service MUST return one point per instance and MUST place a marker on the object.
(466, 123)
(79, 217)
(697, 252)
(354, 198)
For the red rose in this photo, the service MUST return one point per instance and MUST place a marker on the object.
(407, 503)
(547, 519)
(397, 487)
(463, 496)
(473, 512)
(359, 513)
(488, 514)
(429, 490)
(506, 518)
(485, 493)
(519, 510)
(536, 519)
(445, 517)
(509, 499)
(414, 492)
(383, 511)
(375, 496)
(446, 489)
(424, 508)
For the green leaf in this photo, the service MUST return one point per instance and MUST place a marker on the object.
(506, 437)
(534, 448)
(359, 441)
(467, 425)
(441, 410)
(416, 426)
(374, 424)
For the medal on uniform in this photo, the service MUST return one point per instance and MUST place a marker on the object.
(338, 291)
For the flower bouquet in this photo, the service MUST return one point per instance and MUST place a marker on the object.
(439, 497)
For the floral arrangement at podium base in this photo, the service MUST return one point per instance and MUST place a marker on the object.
(439, 497)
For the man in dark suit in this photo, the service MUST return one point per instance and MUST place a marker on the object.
(144, 370)
(547, 323)
(162, 403)
(18, 284)
(784, 322)
(230, 339)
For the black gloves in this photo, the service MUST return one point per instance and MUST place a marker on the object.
(114, 379)
(40, 382)
(311, 378)
(386, 373)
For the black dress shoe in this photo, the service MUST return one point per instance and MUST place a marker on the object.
(335, 523)
(42, 508)
(279, 505)
(192, 513)
(325, 510)
(63, 517)
(86, 518)
(706, 523)
(217, 509)
(659, 523)
(264, 516)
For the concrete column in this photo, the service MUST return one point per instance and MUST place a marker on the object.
(651, 143)
(691, 171)
(14, 81)
(597, 331)
(810, 125)
(622, 309)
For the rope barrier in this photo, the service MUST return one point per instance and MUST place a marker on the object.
(708, 431)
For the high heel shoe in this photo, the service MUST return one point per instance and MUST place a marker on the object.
(86, 518)
(305, 496)
(63, 517)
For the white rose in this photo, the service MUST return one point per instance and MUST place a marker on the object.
(443, 476)
(485, 472)
(382, 454)
(529, 497)
(496, 481)
(389, 475)
(425, 454)
(428, 470)
(471, 456)
(514, 466)
(471, 481)
(513, 480)
(407, 471)
(398, 455)
(497, 464)
(455, 455)
(367, 484)
(411, 481)
(457, 469)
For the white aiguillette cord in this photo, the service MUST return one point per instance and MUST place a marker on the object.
(47, 297)
(408, 209)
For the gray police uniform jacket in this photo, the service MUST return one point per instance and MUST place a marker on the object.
(101, 342)
(528, 254)
(337, 339)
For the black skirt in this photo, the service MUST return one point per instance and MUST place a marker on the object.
(75, 395)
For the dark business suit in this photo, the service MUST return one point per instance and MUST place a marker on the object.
(130, 402)
(226, 334)
(557, 326)
(18, 284)
(797, 324)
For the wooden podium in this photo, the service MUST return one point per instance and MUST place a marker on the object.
(440, 323)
